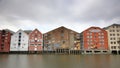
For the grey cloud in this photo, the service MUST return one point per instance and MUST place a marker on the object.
(101, 10)
(59, 12)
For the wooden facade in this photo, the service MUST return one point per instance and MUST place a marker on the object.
(61, 38)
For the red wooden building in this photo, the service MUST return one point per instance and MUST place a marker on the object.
(94, 38)
(35, 41)
(5, 36)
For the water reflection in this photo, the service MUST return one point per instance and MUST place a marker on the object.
(59, 61)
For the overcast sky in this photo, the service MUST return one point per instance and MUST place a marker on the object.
(46, 15)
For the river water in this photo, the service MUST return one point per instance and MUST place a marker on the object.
(59, 61)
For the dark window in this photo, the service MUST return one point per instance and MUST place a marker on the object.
(95, 36)
(113, 30)
(19, 36)
(117, 30)
(19, 33)
(114, 42)
(111, 42)
(19, 44)
(2, 48)
(114, 47)
(119, 47)
(2, 45)
(116, 26)
(19, 40)
(117, 34)
(35, 40)
(3, 37)
(113, 26)
(3, 41)
(3, 32)
(39, 44)
(63, 42)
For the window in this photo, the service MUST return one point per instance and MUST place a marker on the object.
(114, 42)
(32, 40)
(35, 35)
(114, 38)
(88, 43)
(3, 41)
(95, 36)
(19, 33)
(19, 40)
(90, 33)
(113, 34)
(38, 34)
(32, 34)
(62, 34)
(111, 42)
(118, 35)
(2, 44)
(35, 40)
(63, 42)
(102, 36)
(113, 47)
(5, 37)
(87, 36)
(118, 47)
(19, 44)
(32, 44)
(88, 40)
(113, 30)
(110, 34)
(117, 30)
(2, 48)
(40, 40)
(113, 26)
(6, 34)
(19, 36)
(90, 36)
(102, 33)
(116, 26)
(39, 44)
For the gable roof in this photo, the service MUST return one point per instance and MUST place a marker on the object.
(111, 25)
(62, 27)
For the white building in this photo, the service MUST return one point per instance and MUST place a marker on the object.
(19, 41)
(114, 37)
